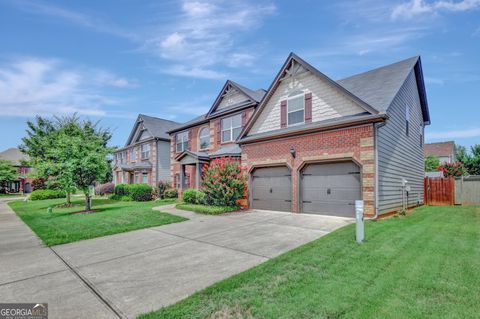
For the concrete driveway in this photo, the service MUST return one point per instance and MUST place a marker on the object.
(127, 274)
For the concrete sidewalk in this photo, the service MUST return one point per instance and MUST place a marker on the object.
(127, 274)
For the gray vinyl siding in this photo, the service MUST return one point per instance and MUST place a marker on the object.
(163, 161)
(401, 156)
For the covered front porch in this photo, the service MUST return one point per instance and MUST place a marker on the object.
(133, 174)
(193, 162)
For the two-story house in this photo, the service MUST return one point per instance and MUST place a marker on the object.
(211, 135)
(445, 151)
(145, 158)
(315, 145)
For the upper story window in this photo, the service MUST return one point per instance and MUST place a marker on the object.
(204, 138)
(133, 154)
(123, 157)
(231, 128)
(407, 119)
(182, 141)
(145, 148)
(296, 109)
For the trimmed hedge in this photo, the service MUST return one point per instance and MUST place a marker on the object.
(192, 196)
(41, 194)
(171, 193)
(136, 192)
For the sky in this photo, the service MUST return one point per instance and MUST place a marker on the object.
(111, 60)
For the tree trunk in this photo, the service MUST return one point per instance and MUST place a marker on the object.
(88, 203)
(68, 199)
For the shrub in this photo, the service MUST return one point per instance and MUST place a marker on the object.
(41, 194)
(205, 209)
(139, 192)
(121, 189)
(162, 187)
(105, 189)
(125, 198)
(39, 183)
(224, 183)
(452, 169)
(171, 193)
(115, 197)
(192, 196)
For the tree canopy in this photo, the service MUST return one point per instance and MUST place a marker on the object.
(470, 160)
(70, 150)
(8, 173)
(431, 163)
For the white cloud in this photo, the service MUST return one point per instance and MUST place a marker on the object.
(414, 8)
(204, 37)
(472, 132)
(31, 86)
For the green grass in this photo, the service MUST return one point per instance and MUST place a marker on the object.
(424, 265)
(111, 217)
(206, 209)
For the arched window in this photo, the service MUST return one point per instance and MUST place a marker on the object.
(204, 138)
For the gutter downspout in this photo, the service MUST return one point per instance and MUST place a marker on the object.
(376, 127)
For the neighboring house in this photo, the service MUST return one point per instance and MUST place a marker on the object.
(18, 159)
(145, 159)
(445, 151)
(315, 145)
(211, 135)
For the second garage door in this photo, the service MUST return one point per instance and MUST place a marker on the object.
(330, 189)
(272, 188)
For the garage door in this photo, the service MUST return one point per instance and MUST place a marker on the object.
(330, 189)
(272, 188)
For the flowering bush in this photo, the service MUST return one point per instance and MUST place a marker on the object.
(162, 187)
(39, 183)
(452, 169)
(224, 182)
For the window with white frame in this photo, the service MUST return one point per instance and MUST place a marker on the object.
(204, 138)
(133, 154)
(231, 128)
(296, 108)
(145, 148)
(144, 178)
(182, 141)
(123, 157)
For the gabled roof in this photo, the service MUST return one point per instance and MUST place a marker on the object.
(290, 59)
(157, 127)
(440, 148)
(374, 90)
(13, 155)
(253, 97)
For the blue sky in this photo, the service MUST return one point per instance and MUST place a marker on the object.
(110, 60)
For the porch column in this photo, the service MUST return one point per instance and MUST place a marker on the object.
(182, 177)
(198, 166)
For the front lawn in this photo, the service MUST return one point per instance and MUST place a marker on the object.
(12, 195)
(64, 225)
(207, 209)
(424, 265)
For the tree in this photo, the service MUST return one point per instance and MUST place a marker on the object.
(72, 151)
(8, 173)
(471, 160)
(431, 163)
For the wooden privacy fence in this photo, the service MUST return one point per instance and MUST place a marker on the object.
(439, 191)
(467, 190)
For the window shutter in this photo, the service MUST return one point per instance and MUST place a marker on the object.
(308, 107)
(283, 113)
(189, 139)
(244, 118)
(219, 132)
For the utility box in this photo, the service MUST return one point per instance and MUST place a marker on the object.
(359, 230)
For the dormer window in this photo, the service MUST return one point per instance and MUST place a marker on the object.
(296, 109)
(204, 138)
(182, 141)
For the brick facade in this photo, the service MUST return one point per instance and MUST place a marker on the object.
(122, 176)
(194, 132)
(356, 143)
